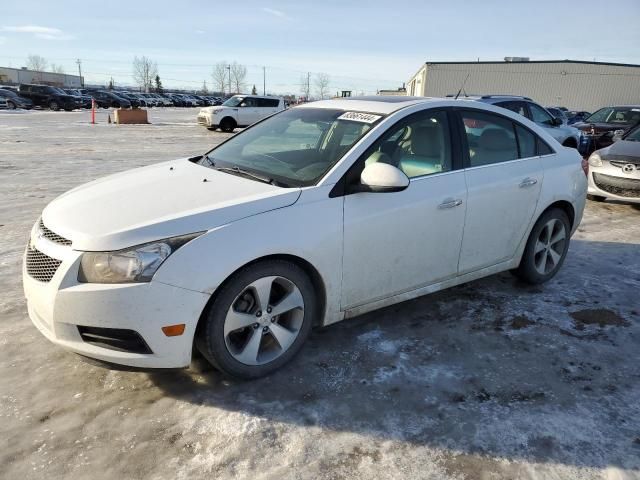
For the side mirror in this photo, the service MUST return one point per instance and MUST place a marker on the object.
(556, 122)
(382, 177)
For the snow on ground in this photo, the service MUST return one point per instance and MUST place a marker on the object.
(490, 380)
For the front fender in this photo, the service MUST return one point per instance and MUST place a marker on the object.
(310, 229)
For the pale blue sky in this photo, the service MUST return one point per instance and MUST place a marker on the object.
(362, 45)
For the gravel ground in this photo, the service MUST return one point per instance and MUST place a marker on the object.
(490, 380)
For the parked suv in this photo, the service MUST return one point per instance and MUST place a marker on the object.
(106, 99)
(566, 135)
(49, 97)
(239, 111)
(14, 100)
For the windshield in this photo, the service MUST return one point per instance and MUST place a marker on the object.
(633, 135)
(296, 147)
(233, 102)
(615, 115)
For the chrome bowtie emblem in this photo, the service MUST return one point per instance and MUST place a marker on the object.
(628, 168)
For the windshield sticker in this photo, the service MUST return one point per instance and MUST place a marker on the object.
(360, 117)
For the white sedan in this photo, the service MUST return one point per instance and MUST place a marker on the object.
(314, 215)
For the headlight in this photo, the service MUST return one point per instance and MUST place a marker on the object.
(136, 264)
(595, 160)
(215, 112)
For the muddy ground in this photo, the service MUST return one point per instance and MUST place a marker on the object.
(491, 380)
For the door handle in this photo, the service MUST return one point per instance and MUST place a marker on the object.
(449, 203)
(528, 182)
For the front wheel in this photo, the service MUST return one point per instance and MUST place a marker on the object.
(53, 105)
(259, 320)
(11, 105)
(227, 125)
(546, 248)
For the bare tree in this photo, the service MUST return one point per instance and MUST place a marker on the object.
(305, 87)
(219, 77)
(145, 71)
(322, 81)
(238, 76)
(56, 68)
(37, 63)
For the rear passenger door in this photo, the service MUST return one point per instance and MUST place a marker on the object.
(266, 107)
(503, 174)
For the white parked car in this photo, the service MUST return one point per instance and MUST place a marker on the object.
(317, 214)
(239, 111)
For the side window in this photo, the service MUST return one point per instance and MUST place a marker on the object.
(518, 107)
(539, 115)
(543, 148)
(250, 102)
(526, 142)
(267, 102)
(418, 146)
(490, 138)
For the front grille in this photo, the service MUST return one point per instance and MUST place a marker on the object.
(119, 339)
(40, 266)
(52, 236)
(623, 187)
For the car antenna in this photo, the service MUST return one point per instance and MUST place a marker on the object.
(462, 87)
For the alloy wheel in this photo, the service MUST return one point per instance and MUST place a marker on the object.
(264, 320)
(550, 246)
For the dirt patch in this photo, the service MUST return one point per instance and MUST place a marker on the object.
(520, 321)
(597, 316)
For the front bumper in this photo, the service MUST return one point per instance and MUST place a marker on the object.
(59, 306)
(611, 182)
(206, 120)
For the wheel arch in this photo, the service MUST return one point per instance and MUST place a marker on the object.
(305, 265)
(565, 206)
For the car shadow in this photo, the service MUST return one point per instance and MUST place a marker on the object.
(494, 367)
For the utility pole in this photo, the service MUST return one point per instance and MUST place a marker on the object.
(264, 80)
(80, 72)
(229, 68)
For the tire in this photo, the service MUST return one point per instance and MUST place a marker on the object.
(238, 338)
(11, 105)
(53, 105)
(227, 124)
(596, 198)
(540, 266)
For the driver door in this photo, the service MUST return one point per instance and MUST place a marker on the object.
(401, 241)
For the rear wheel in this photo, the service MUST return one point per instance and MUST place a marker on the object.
(53, 105)
(596, 198)
(11, 105)
(228, 125)
(546, 248)
(259, 320)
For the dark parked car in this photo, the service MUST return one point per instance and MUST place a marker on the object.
(135, 101)
(14, 100)
(575, 116)
(106, 99)
(85, 99)
(49, 97)
(600, 128)
(558, 113)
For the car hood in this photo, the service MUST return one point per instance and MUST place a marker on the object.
(159, 201)
(621, 150)
(213, 109)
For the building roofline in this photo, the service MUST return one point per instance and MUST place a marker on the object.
(502, 62)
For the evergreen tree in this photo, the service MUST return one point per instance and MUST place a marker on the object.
(254, 91)
(158, 84)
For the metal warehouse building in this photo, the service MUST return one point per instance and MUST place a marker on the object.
(15, 76)
(570, 83)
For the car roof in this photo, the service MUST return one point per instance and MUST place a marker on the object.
(383, 104)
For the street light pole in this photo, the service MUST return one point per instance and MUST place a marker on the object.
(80, 72)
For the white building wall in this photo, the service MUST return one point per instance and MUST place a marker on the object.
(582, 86)
(18, 75)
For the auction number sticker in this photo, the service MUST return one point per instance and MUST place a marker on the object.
(359, 117)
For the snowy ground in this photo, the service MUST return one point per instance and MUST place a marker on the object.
(491, 380)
